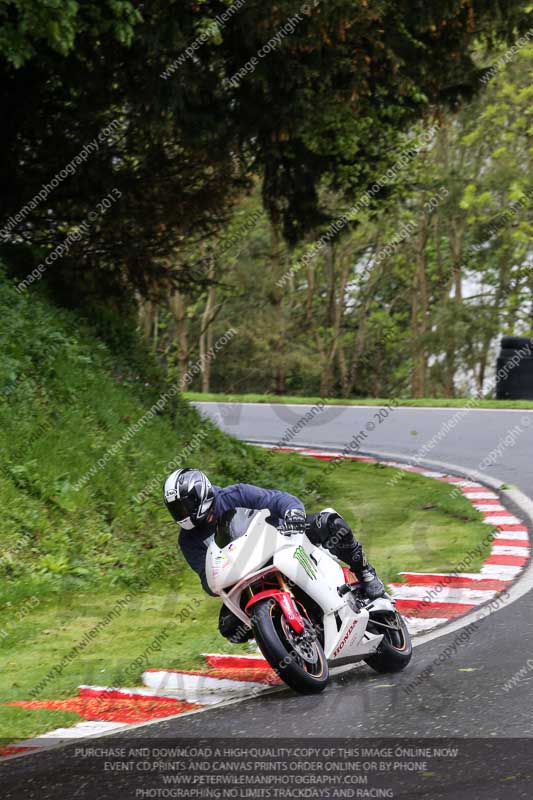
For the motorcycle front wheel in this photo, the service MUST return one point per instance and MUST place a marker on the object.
(298, 659)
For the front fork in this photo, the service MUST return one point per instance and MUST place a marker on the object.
(282, 583)
(285, 599)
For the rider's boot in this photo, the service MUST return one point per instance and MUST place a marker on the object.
(370, 584)
(353, 554)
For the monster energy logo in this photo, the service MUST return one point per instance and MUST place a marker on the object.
(301, 556)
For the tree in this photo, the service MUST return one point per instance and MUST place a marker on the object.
(324, 108)
(435, 275)
(28, 25)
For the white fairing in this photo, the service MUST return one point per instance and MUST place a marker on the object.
(243, 556)
(262, 549)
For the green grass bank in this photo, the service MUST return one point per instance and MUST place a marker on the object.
(80, 531)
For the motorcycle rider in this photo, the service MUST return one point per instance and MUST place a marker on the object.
(196, 505)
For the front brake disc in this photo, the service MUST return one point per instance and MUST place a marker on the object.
(303, 644)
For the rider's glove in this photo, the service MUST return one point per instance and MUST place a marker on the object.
(294, 520)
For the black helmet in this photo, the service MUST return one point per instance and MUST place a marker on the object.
(188, 496)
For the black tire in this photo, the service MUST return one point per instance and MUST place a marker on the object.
(507, 354)
(395, 651)
(270, 628)
(515, 342)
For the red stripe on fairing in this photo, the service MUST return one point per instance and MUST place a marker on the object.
(511, 543)
(349, 577)
(223, 661)
(454, 582)
(510, 561)
(420, 610)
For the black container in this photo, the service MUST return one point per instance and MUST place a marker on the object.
(514, 369)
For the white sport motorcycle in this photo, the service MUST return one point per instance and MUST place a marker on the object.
(305, 609)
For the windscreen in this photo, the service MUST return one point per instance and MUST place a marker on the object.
(233, 525)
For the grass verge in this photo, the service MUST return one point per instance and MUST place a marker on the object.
(83, 523)
(410, 523)
(409, 402)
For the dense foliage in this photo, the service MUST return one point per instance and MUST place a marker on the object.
(409, 303)
(322, 108)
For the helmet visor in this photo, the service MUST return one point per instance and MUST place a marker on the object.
(181, 509)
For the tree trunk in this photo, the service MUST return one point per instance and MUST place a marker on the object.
(328, 344)
(155, 340)
(362, 328)
(326, 377)
(419, 315)
(449, 345)
(178, 309)
(310, 294)
(457, 232)
(483, 361)
(343, 371)
(206, 332)
(146, 317)
(278, 316)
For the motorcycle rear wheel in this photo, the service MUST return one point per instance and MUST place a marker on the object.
(298, 659)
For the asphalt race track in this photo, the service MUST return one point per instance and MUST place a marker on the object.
(461, 696)
(472, 434)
